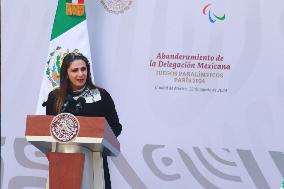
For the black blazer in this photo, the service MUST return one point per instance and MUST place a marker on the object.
(101, 108)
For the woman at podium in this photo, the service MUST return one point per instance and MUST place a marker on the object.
(79, 96)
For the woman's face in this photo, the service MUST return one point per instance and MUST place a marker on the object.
(77, 74)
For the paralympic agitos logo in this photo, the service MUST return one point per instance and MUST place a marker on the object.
(211, 15)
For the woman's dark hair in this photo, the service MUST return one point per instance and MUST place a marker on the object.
(64, 81)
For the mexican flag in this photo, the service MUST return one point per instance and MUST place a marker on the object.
(69, 34)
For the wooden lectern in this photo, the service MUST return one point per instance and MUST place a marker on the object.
(80, 159)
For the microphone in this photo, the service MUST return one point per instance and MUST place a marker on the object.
(44, 103)
(68, 100)
(79, 105)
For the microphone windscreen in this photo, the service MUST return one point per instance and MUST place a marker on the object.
(44, 103)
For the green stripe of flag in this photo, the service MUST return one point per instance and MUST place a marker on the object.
(62, 22)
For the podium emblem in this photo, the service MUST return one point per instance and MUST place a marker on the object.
(64, 127)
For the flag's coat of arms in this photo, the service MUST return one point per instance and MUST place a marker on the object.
(54, 64)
